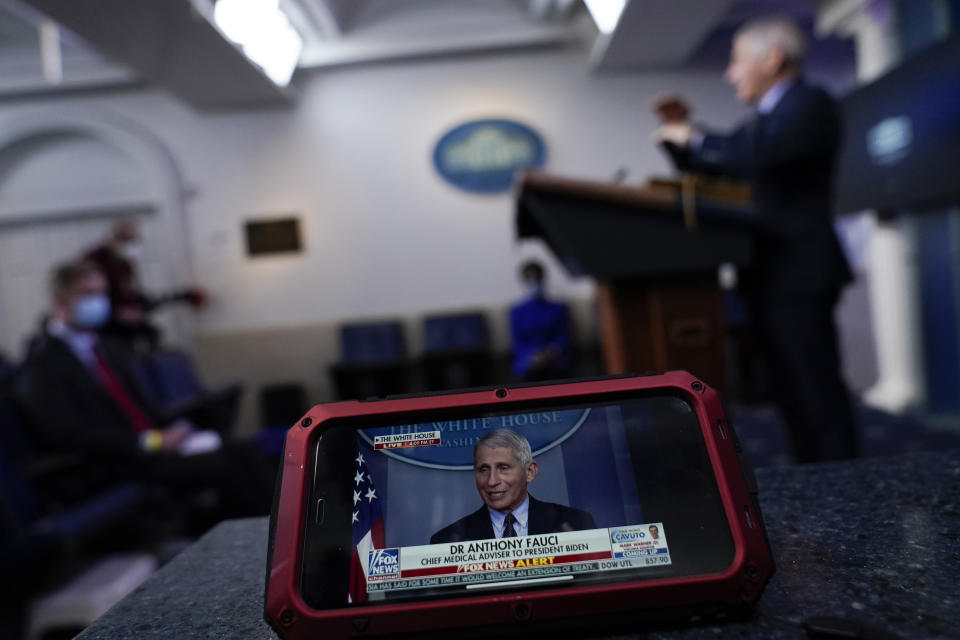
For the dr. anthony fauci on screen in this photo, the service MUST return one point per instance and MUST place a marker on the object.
(503, 466)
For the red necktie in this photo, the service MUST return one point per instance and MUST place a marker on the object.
(135, 415)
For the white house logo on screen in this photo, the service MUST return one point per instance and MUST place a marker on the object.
(384, 563)
(889, 141)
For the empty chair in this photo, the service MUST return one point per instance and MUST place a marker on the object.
(372, 343)
(169, 381)
(281, 405)
(373, 361)
(460, 333)
(456, 351)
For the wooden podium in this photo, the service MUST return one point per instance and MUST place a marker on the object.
(654, 251)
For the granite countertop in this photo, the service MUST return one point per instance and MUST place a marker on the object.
(875, 540)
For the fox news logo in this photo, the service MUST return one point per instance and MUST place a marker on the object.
(384, 562)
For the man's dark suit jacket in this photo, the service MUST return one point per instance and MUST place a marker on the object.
(73, 413)
(543, 517)
(68, 406)
(788, 157)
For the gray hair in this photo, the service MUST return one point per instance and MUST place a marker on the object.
(506, 439)
(767, 34)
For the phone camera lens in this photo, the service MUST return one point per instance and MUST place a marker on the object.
(521, 611)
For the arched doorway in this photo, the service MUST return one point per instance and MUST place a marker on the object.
(64, 181)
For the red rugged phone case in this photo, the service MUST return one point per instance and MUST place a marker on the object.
(741, 583)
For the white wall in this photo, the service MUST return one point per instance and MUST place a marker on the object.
(85, 171)
(384, 233)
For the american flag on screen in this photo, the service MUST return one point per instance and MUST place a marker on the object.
(367, 527)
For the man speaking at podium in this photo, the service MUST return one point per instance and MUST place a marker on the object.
(787, 153)
(503, 466)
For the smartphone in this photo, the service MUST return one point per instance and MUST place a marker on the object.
(537, 505)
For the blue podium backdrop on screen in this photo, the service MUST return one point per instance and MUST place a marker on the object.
(587, 468)
(483, 156)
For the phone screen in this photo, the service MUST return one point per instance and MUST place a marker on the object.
(555, 495)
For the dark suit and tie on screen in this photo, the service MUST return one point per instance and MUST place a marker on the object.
(787, 153)
(503, 466)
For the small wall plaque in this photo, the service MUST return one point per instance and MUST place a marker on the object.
(267, 237)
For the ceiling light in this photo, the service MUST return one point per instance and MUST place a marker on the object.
(606, 13)
(264, 33)
(51, 56)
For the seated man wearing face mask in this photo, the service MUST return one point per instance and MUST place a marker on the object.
(116, 258)
(539, 331)
(78, 395)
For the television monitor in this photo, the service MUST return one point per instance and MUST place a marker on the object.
(902, 135)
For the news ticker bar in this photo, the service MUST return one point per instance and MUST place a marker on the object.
(518, 558)
(490, 579)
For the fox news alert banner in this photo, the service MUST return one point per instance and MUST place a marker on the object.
(511, 561)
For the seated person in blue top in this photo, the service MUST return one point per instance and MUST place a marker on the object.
(539, 331)
(503, 466)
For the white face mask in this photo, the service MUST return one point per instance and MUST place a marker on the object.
(131, 250)
(533, 289)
